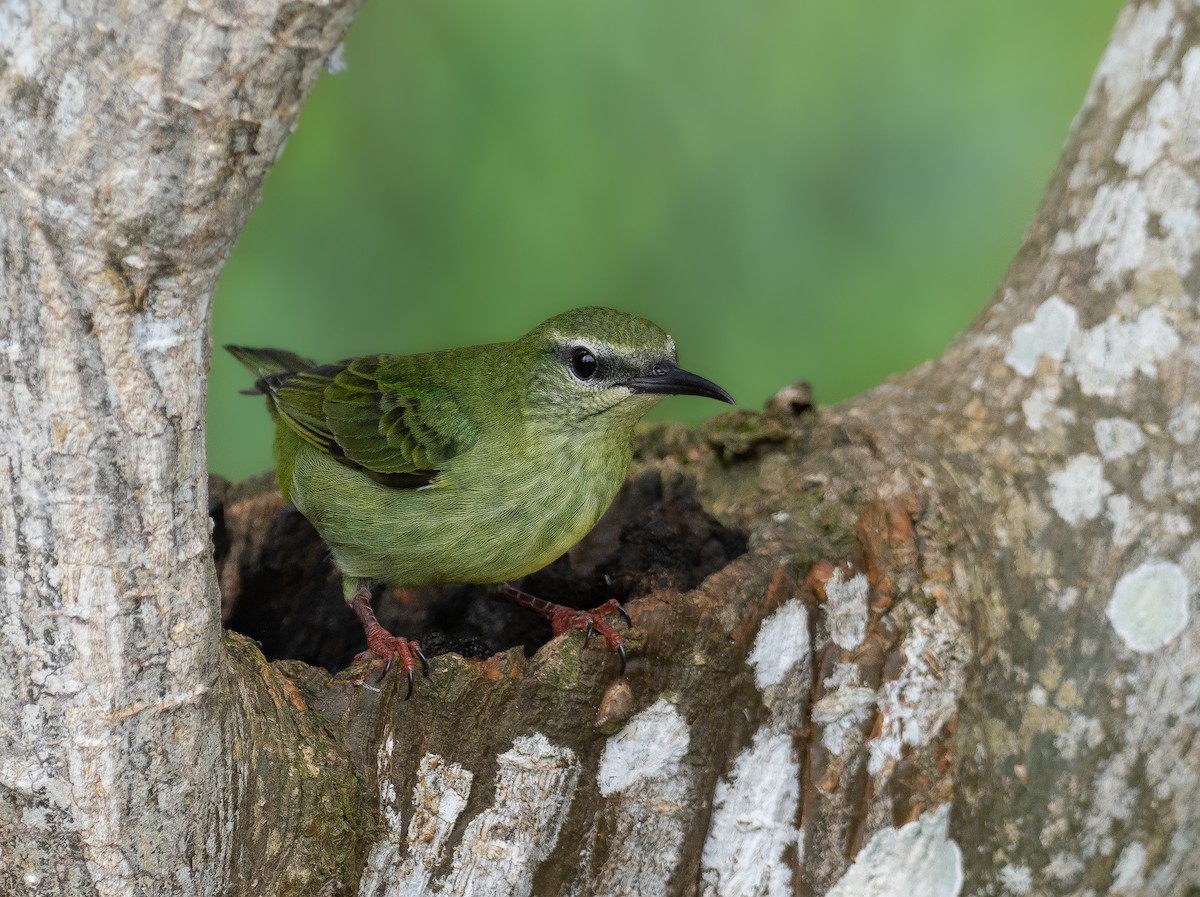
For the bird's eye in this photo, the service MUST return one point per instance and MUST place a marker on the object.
(583, 363)
(660, 369)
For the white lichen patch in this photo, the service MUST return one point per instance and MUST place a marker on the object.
(157, 335)
(1117, 511)
(1185, 139)
(1184, 425)
(1172, 196)
(1082, 732)
(844, 675)
(1170, 119)
(914, 706)
(1116, 225)
(1175, 525)
(754, 822)
(1046, 336)
(1143, 144)
(1190, 562)
(1113, 352)
(20, 39)
(1077, 492)
(335, 62)
(843, 709)
(841, 713)
(652, 745)
(389, 805)
(1140, 52)
(1149, 606)
(1117, 437)
(72, 97)
(1133, 523)
(755, 807)
(1067, 599)
(1128, 874)
(1038, 407)
(782, 642)
(917, 860)
(1183, 479)
(1163, 876)
(846, 609)
(439, 797)
(503, 846)
(1112, 801)
(1157, 478)
(1041, 408)
(647, 783)
(1064, 868)
(1016, 879)
(1171, 475)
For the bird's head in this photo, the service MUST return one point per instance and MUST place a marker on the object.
(601, 368)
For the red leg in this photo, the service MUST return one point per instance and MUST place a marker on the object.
(562, 618)
(383, 643)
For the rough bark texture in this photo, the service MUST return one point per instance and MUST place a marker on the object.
(939, 640)
(133, 141)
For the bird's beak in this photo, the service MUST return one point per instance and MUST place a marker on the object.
(675, 381)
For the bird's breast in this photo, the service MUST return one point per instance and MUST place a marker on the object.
(490, 516)
(541, 507)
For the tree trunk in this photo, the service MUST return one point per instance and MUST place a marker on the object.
(134, 140)
(941, 639)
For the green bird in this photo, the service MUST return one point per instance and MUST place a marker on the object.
(471, 465)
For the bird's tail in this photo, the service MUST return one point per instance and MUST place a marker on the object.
(264, 363)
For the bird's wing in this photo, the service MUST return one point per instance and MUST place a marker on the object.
(372, 414)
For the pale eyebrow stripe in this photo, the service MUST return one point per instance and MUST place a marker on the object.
(609, 348)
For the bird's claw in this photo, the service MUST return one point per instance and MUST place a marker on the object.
(619, 644)
(409, 668)
(592, 623)
(392, 649)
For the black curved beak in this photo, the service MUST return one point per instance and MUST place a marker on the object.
(669, 379)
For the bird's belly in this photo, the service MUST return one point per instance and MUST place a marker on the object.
(484, 529)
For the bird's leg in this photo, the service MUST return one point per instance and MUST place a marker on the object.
(591, 622)
(383, 643)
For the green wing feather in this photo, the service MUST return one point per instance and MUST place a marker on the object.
(262, 363)
(369, 413)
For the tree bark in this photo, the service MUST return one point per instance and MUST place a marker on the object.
(940, 640)
(134, 140)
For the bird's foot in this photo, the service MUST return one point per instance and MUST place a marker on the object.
(394, 650)
(590, 622)
(389, 648)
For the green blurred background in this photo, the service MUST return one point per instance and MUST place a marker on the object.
(795, 190)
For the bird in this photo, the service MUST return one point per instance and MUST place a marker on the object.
(478, 464)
